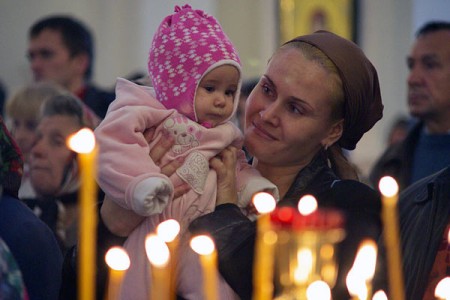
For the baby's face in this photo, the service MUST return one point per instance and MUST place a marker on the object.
(215, 95)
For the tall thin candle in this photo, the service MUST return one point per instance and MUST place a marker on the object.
(265, 239)
(389, 190)
(118, 262)
(83, 142)
(204, 246)
(168, 231)
(158, 255)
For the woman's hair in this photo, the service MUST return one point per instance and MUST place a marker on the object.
(69, 105)
(26, 102)
(66, 105)
(316, 55)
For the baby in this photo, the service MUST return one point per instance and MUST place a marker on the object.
(196, 76)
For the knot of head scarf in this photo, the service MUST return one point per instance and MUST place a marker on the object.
(11, 162)
(363, 106)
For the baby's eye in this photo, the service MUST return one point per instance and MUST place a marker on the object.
(230, 93)
(209, 89)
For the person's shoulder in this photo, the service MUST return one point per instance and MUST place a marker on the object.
(94, 90)
(20, 217)
(355, 194)
(418, 191)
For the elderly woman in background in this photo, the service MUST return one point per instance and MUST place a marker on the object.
(53, 167)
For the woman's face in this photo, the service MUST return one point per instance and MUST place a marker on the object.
(50, 155)
(23, 131)
(288, 114)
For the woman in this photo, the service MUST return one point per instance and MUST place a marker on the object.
(32, 244)
(53, 167)
(54, 176)
(318, 92)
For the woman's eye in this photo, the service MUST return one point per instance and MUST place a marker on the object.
(58, 142)
(266, 90)
(295, 109)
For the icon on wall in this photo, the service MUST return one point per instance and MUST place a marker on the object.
(299, 17)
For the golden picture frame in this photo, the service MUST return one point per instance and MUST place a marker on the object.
(299, 17)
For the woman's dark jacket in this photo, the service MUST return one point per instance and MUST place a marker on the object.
(234, 234)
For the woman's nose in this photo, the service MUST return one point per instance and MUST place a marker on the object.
(270, 114)
(38, 149)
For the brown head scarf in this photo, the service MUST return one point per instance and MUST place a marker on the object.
(363, 107)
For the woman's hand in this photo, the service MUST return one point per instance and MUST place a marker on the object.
(225, 166)
(121, 221)
(157, 153)
(341, 166)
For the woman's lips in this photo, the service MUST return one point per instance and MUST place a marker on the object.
(259, 130)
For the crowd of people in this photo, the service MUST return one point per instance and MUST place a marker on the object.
(197, 141)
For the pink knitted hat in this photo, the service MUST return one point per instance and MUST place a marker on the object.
(186, 46)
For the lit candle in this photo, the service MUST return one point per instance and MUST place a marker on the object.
(359, 280)
(159, 256)
(118, 262)
(265, 240)
(168, 231)
(204, 246)
(389, 189)
(356, 285)
(442, 290)
(379, 295)
(307, 205)
(83, 142)
(318, 290)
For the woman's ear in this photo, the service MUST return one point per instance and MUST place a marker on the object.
(334, 134)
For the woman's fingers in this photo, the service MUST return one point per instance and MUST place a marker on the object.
(157, 153)
(161, 148)
(170, 168)
(225, 166)
(149, 134)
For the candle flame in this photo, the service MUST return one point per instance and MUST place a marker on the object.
(168, 230)
(388, 186)
(366, 260)
(442, 290)
(356, 285)
(83, 141)
(202, 244)
(264, 202)
(380, 295)
(117, 259)
(157, 250)
(318, 290)
(304, 265)
(307, 205)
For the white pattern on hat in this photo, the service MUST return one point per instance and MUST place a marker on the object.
(185, 47)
